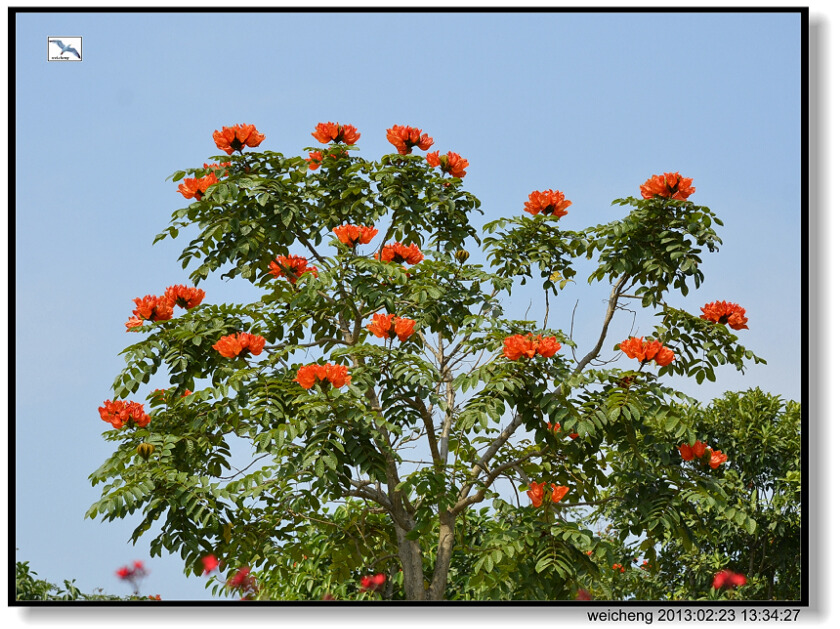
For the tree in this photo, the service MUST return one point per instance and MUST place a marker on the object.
(388, 401)
(763, 486)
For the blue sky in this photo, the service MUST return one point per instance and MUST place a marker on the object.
(591, 104)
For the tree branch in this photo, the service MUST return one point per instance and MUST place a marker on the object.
(616, 291)
(465, 500)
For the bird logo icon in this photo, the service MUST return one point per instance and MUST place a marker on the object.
(65, 49)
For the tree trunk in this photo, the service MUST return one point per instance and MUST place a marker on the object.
(412, 564)
(446, 543)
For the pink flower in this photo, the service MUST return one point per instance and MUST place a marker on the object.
(727, 579)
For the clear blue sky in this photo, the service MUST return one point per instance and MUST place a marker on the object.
(591, 104)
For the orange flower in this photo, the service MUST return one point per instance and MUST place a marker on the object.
(307, 375)
(197, 187)
(291, 267)
(557, 492)
(668, 186)
(725, 312)
(686, 452)
(232, 345)
(335, 374)
(618, 566)
(536, 493)
(548, 202)
(451, 163)
(133, 322)
(404, 328)
(405, 138)
(184, 296)
(399, 253)
(548, 346)
(556, 427)
(119, 413)
(389, 326)
(326, 132)
(518, 345)
(664, 357)
(716, 457)
(151, 308)
(237, 137)
(702, 451)
(381, 325)
(645, 351)
(315, 159)
(352, 235)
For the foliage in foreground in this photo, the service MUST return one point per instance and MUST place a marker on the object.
(29, 588)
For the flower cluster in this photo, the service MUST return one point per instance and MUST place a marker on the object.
(451, 163)
(518, 345)
(548, 202)
(726, 313)
(703, 453)
(245, 582)
(326, 132)
(153, 308)
(232, 345)
(118, 413)
(237, 137)
(195, 188)
(668, 186)
(537, 493)
(400, 253)
(291, 267)
(727, 579)
(646, 351)
(558, 427)
(315, 158)
(405, 138)
(372, 583)
(133, 573)
(388, 326)
(618, 566)
(335, 374)
(186, 297)
(352, 235)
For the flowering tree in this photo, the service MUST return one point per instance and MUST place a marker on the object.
(763, 483)
(389, 405)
